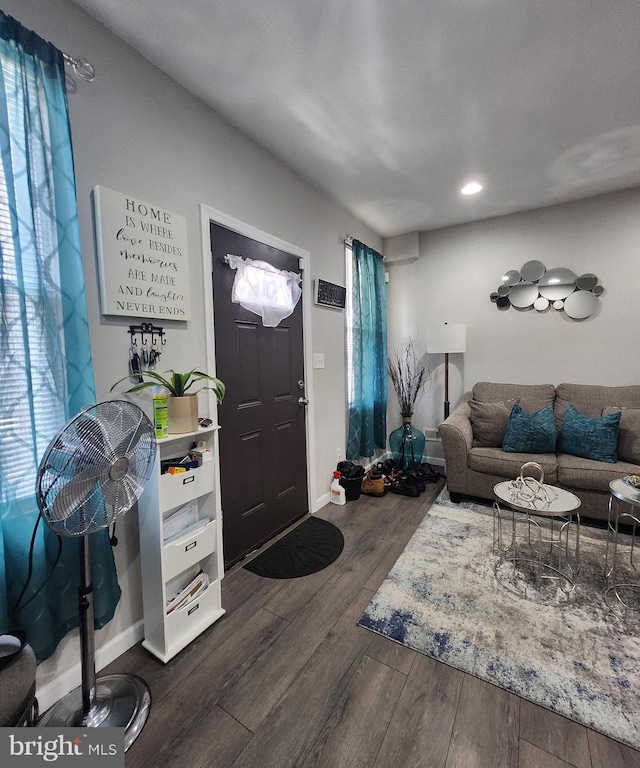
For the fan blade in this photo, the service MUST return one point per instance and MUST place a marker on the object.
(74, 494)
(132, 438)
(94, 438)
(121, 495)
(61, 459)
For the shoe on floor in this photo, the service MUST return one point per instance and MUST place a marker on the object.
(402, 486)
(427, 474)
(373, 483)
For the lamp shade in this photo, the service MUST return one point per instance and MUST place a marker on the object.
(450, 337)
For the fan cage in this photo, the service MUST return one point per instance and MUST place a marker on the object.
(95, 468)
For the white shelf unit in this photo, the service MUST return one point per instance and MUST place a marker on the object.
(166, 568)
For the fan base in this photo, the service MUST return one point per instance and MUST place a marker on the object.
(121, 701)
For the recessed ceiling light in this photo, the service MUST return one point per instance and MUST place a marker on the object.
(472, 188)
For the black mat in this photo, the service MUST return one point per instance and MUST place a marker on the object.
(310, 547)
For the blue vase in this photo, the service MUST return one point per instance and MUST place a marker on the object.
(407, 445)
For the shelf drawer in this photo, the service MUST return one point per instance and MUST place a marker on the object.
(183, 625)
(183, 553)
(179, 489)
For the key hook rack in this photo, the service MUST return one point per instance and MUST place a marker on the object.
(145, 329)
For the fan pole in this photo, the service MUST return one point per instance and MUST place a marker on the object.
(91, 473)
(87, 639)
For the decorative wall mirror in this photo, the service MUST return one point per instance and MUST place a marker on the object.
(535, 286)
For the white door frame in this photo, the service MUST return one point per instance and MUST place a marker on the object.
(210, 216)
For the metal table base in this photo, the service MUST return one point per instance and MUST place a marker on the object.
(622, 588)
(536, 552)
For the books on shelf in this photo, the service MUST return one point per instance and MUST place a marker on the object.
(187, 594)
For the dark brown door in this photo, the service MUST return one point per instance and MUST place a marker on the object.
(263, 464)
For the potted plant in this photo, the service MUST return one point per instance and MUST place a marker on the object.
(182, 405)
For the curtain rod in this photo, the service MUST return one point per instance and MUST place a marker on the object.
(84, 69)
(230, 261)
(348, 241)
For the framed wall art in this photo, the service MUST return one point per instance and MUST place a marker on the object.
(143, 260)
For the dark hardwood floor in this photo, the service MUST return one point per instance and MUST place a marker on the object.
(286, 678)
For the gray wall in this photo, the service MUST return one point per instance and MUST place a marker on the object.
(136, 131)
(458, 267)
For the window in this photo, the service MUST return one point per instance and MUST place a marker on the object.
(366, 342)
(47, 375)
(30, 407)
(349, 322)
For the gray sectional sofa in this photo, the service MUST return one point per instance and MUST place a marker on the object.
(475, 461)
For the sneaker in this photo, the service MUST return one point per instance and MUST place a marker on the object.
(427, 474)
(414, 477)
(402, 486)
(390, 468)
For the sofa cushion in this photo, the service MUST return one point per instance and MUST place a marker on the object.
(628, 434)
(530, 432)
(591, 438)
(590, 399)
(532, 397)
(489, 422)
(494, 461)
(577, 472)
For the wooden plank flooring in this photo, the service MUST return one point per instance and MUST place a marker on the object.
(286, 678)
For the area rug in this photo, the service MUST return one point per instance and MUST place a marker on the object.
(441, 599)
(308, 548)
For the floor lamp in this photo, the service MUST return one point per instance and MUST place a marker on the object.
(447, 338)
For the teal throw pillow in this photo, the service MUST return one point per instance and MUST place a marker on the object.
(530, 432)
(595, 438)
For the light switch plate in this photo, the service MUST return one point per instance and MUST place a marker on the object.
(318, 360)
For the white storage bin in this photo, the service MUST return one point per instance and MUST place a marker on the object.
(185, 552)
(186, 623)
(176, 490)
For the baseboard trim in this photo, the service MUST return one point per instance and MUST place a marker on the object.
(71, 678)
(321, 502)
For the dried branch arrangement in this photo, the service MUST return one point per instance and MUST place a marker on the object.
(408, 376)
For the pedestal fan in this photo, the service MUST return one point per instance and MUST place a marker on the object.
(91, 474)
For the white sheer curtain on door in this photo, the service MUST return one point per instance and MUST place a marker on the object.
(264, 290)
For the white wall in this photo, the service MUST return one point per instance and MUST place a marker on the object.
(136, 131)
(460, 266)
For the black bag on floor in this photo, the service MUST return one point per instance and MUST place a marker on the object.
(349, 469)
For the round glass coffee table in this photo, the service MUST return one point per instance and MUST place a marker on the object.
(622, 590)
(536, 543)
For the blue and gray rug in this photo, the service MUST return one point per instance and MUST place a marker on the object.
(441, 599)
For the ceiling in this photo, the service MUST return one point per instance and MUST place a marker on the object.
(390, 106)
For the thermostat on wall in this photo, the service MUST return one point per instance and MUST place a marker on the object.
(330, 295)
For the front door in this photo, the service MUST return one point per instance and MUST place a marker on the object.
(263, 464)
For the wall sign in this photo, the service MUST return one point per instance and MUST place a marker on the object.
(143, 262)
(328, 294)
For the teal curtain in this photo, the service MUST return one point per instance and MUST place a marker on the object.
(47, 376)
(368, 374)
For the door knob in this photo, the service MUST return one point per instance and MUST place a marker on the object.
(302, 401)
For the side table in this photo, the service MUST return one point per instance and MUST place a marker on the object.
(536, 544)
(622, 588)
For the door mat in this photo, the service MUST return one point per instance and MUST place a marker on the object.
(441, 598)
(312, 546)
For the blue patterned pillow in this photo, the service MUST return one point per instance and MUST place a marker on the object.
(530, 432)
(595, 438)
